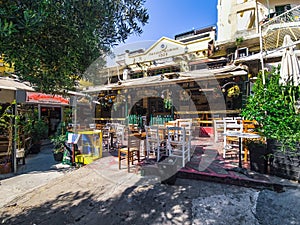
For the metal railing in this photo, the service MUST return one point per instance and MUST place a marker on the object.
(274, 29)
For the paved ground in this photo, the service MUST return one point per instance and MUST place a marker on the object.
(38, 170)
(100, 193)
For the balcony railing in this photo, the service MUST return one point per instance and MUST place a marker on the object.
(274, 29)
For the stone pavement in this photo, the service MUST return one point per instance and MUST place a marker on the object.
(39, 170)
(100, 193)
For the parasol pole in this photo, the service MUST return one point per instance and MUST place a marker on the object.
(261, 55)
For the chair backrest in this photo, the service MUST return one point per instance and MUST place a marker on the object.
(120, 133)
(218, 126)
(171, 123)
(249, 126)
(187, 125)
(238, 118)
(232, 126)
(176, 134)
(228, 118)
(105, 132)
(133, 142)
(179, 121)
(152, 132)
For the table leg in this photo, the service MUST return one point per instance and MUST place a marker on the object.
(240, 152)
(111, 140)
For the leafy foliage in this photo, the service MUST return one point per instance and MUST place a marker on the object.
(6, 123)
(273, 107)
(39, 130)
(52, 42)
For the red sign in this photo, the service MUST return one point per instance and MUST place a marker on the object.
(35, 97)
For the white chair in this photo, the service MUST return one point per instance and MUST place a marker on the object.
(154, 142)
(183, 120)
(178, 144)
(187, 125)
(92, 126)
(228, 118)
(106, 138)
(231, 143)
(172, 123)
(218, 126)
(119, 134)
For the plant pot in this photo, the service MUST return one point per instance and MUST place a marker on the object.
(258, 158)
(35, 148)
(5, 168)
(285, 164)
(58, 156)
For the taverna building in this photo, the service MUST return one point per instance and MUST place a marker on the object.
(199, 74)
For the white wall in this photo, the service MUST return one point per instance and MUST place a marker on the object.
(224, 22)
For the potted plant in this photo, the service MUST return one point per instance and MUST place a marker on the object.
(58, 151)
(6, 127)
(259, 154)
(58, 140)
(273, 107)
(39, 131)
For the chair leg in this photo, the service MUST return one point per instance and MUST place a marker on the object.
(128, 162)
(119, 158)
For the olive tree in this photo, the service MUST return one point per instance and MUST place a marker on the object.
(50, 43)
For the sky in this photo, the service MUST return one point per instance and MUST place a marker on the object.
(170, 17)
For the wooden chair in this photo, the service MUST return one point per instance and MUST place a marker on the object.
(131, 152)
(249, 126)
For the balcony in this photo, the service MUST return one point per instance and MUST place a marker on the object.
(274, 29)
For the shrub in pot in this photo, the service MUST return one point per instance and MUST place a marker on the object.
(273, 106)
(39, 131)
(58, 140)
(259, 155)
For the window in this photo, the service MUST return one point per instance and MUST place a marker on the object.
(282, 8)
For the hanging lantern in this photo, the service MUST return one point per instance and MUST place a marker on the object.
(233, 91)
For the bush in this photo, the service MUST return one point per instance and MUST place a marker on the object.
(273, 106)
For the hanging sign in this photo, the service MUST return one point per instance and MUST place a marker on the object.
(35, 97)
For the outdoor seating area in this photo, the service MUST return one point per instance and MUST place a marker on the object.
(136, 147)
(176, 149)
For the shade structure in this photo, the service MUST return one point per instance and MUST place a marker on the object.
(195, 75)
(290, 68)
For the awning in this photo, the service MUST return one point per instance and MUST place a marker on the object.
(195, 75)
(265, 55)
(97, 88)
(11, 84)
